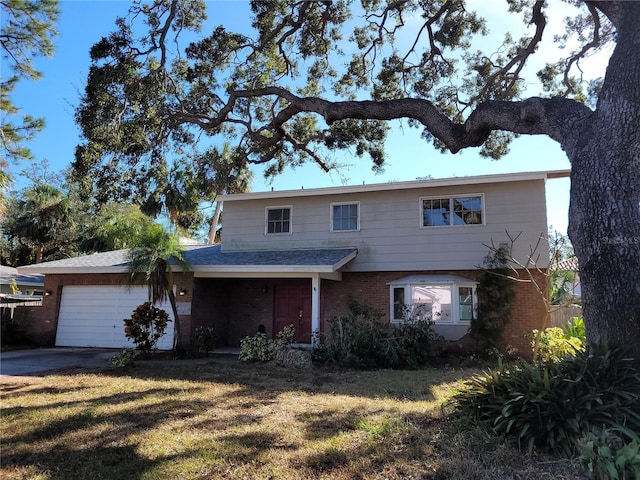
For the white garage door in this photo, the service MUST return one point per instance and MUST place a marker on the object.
(92, 316)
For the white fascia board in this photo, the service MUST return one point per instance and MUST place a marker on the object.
(327, 276)
(67, 270)
(379, 187)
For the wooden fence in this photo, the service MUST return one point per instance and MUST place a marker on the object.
(562, 316)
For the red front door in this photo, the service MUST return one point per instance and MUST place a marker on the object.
(293, 307)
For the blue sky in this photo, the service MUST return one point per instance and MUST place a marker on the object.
(83, 23)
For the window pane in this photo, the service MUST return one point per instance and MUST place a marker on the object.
(345, 217)
(432, 302)
(465, 295)
(398, 304)
(467, 210)
(278, 220)
(436, 212)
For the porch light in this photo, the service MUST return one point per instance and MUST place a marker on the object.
(47, 293)
(182, 292)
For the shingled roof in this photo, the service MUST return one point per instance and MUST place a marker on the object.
(210, 258)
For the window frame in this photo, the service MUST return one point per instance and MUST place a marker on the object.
(278, 207)
(339, 204)
(454, 292)
(451, 198)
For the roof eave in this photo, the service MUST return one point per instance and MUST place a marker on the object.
(378, 187)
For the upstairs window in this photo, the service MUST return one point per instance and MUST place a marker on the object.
(345, 217)
(448, 211)
(278, 220)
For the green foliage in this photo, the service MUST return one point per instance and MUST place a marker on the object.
(496, 295)
(125, 358)
(263, 349)
(26, 32)
(115, 226)
(361, 340)
(554, 344)
(205, 339)
(553, 406)
(41, 220)
(150, 263)
(11, 330)
(609, 456)
(146, 326)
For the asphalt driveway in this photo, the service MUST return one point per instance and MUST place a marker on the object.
(43, 360)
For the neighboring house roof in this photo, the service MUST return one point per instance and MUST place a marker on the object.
(378, 187)
(210, 259)
(568, 264)
(7, 273)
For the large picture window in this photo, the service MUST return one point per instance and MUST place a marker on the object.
(448, 211)
(278, 220)
(442, 299)
(345, 217)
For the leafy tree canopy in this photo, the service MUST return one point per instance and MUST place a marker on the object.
(27, 29)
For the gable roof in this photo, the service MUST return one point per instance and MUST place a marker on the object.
(210, 259)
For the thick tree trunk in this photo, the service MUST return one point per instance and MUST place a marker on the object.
(604, 216)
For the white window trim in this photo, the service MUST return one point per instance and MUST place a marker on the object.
(455, 299)
(266, 219)
(462, 195)
(335, 204)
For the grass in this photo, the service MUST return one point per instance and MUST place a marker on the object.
(211, 419)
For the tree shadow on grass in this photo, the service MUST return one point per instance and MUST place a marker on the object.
(120, 462)
(272, 380)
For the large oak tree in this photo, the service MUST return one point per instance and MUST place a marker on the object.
(308, 78)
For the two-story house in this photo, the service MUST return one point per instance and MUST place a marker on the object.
(296, 258)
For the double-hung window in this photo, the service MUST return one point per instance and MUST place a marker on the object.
(345, 217)
(452, 210)
(278, 220)
(441, 299)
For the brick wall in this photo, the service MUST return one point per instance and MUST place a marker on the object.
(372, 289)
(41, 322)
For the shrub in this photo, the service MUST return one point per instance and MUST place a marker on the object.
(554, 405)
(356, 340)
(361, 340)
(608, 457)
(263, 349)
(496, 294)
(554, 344)
(146, 326)
(205, 339)
(125, 358)
(11, 330)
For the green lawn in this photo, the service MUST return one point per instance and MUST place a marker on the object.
(219, 419)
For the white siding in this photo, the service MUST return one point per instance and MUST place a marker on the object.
(390, 236)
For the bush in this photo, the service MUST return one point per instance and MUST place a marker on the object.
(554, 405)
(263, 349)
(11, 330)
(496, 294)
(125, 358)
(146, 326)
(608, 457)
(205, 339)
(361, 340)
(551, 345)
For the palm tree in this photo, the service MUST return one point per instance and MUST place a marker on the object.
(150, 262)
(40, 219)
